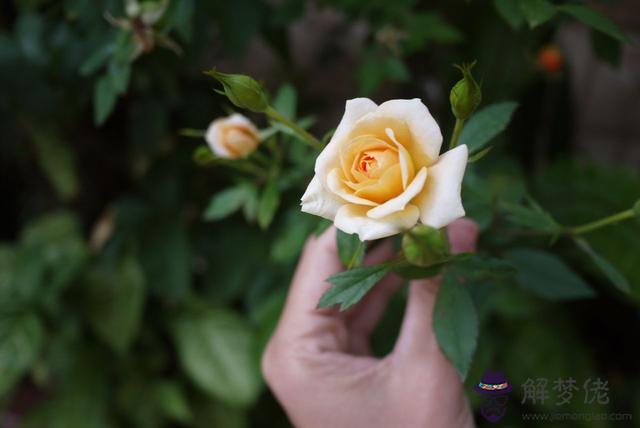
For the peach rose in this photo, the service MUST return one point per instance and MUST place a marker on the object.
(381, 173)
(232, 137)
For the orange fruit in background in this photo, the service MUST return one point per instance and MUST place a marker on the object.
(550, 59)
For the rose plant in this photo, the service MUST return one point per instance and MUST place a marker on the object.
(382, 173)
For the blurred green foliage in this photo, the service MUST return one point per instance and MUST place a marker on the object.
(123, 304)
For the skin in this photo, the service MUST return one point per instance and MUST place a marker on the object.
(318, 362)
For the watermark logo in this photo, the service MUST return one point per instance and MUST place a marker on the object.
(540, 391)
(495, 388)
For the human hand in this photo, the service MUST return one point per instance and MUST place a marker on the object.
(318, 361)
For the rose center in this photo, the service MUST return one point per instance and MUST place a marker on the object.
(373, 163)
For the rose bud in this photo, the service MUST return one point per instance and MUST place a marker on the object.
(232, 137)
(243, 91)
(466, 95)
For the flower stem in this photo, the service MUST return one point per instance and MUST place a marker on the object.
(615, 218)
(304, 135)
(261, 158)
(192, 133)
(456, 133)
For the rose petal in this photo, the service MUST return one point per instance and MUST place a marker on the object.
(334, 184)
(384, 188)
(406, 163)
(412, 124)
(319, 201)
(423, 126)
(400, 202)
(354, 110)
(440, 201)
(353, 219)
(213, 136)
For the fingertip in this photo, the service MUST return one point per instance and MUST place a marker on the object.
(324, 244)
(463, 235)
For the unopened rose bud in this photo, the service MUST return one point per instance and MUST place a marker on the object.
(425, 246)
(232, 137)
(243, 91)
(465, 95)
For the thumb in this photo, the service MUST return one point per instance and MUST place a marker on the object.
(301, 318)
(416, 334)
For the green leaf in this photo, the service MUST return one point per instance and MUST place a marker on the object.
(212, 413)
(268, 204)
(97, 59)
(374, 71)
(21, 338)
(56, 240)
(425, 246)
(215, 350)
(81, 400)
(605, 267)
(225, 203)
(510, 11)
(165, 254)
(595, 20)
(606, 48)
(487, 123)
(350, 249)
(180, 17)
(350, 286)
(293, 232)
(408, 271)
(537, 12)
(533, 217)
(286, 101)
(590, 191)
(424, 27)
(120, 73)
(152, 11)
(172, 400)
(455, 323)
(481, 267)
(547, 276)
(104, 99)
(115, 300)
(56, 160)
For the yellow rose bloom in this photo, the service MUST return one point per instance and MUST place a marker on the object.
(382, 172)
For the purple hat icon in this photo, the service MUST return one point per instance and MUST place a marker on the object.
(493, 383)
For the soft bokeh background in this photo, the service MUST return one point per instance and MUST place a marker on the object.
(120, 306)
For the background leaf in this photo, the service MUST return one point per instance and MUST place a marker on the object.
(104, 99)
(510, 11)
(595, 20)
(537, 12)
(268, 204)
(21, 338)
(532, 216)
(214, 347)
(546, 275)
(605, 267)
(226, 202)
(57, 161)
(485, 124)
(115, 301)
